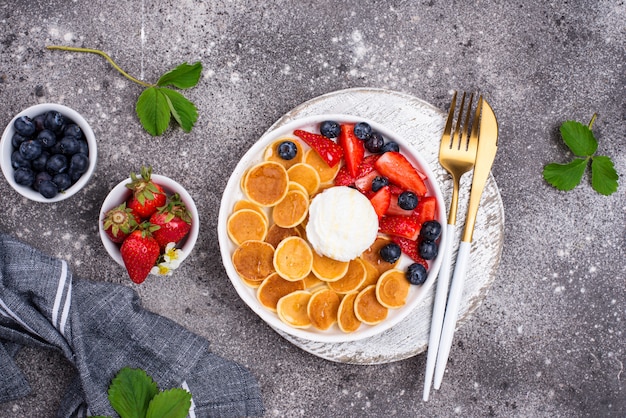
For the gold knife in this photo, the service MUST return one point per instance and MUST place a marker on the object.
(487, 147)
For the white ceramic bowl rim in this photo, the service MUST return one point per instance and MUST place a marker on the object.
(232, 193)
(120, 193)
(6, 149)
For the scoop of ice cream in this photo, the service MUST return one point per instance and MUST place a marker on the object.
(342, 223)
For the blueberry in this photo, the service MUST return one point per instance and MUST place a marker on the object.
(391, 146)
(427, 249)
(79, 163)
(18, 161)
(57, 163)
(287, 150)
(362, 130)
(17, 139)
(407, 200)
(54, 121)
(24, 126)
(379, 182)
(431, 230)
(416, 274)
(39, 163)
(41, 176)
(74, 175)
(390, 252)
(48, 189)
(31, 149)
(83, 147)
(330, 129)
(47, 138)
(38, 121)
(69, 145)
(24, 176)
(63, 181)
(374, 143)
(73, 130)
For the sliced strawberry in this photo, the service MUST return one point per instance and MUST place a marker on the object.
(353, 149)
(395, 209)
(409, 248)
(401, 172)
(343, 178)
(367, 164)
(364, 182)
(328, 150)
(426, 209)
(403, 226)
(380, 201)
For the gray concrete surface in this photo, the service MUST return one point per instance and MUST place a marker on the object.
(549, 339)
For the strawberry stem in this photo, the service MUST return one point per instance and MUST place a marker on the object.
(103, 54)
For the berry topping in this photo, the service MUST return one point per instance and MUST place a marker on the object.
(328, 150)
(287, 150)
(427, 249)
(362, 130)
(390, 147)
(400, 171)
(380, 201)
(330, 129)
(407, 200)
(416, 274)
(403, 226)
(374, 143)
(390, 252)
(353, 149)
(379, 182)
(431, 230)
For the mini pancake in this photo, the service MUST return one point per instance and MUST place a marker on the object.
(322, 308)
(246, 224)
(367, 308)
(293, 259)
(275, 234)
(275, 287)
(372, 255)
(306, 175)
(353, 278)
(346, 319)
(297, 186)
(253, 260)
(371, 275)
(292, 309)
(327, 173)
(246, 204)
(266, 183)
(392, 289)
(327, 269)
(291, 210)
(271, 152)
(311, 281)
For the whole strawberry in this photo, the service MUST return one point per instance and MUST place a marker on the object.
(147, 196)
(140, 252)
(119, 222)
(174, 221)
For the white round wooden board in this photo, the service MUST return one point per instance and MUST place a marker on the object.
(421, 124)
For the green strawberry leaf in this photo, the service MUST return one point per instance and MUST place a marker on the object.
(173, 403)
(153, 111)
(603, 175)
(565, 176)
(184, 76)
(579, 138)
(130, 393)
(183, 110)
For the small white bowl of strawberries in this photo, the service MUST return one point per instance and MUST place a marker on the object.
(148, 224)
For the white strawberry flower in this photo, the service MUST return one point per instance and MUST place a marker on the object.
(171, 261)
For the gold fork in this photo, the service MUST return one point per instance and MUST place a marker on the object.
(457, 155)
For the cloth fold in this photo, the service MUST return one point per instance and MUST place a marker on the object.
(101, 328)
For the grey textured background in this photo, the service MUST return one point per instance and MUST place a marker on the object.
(548, 340)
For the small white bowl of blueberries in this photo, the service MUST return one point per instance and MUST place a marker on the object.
(48, 152)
